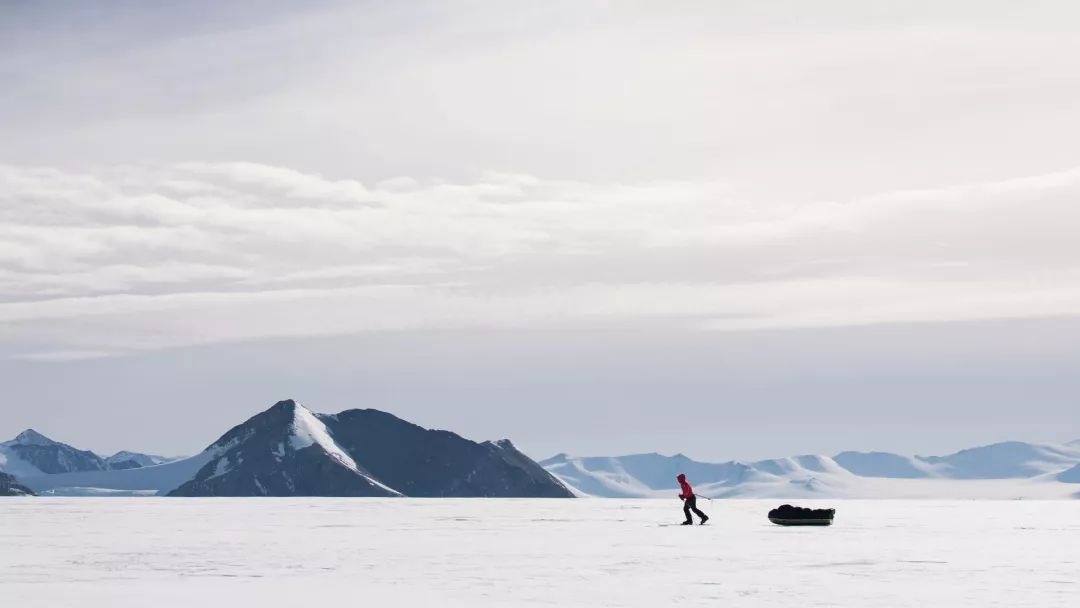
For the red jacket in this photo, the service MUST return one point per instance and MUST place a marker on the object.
(687, 491)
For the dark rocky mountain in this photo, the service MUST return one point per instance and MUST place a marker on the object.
(284, 451)
(421, 462)
(528, 477)
(47, 456)
(9, 486)
(289, 451)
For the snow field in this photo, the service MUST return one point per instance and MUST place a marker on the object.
(119, 552)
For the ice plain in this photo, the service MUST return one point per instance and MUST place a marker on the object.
(162, 552)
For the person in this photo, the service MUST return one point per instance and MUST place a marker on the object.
(689, 501)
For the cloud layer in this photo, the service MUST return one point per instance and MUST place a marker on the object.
(153, 255)
(725, 166)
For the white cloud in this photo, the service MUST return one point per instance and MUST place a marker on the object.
(781, 97)
(61, 356)
(143, 256)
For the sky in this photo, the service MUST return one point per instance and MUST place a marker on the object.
(730, 230)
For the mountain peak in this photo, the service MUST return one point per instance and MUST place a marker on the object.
(32, 437)
(288, 405)
(307, 430)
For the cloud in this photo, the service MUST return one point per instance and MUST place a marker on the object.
(61, 356)
(785, 97)
(152, 255)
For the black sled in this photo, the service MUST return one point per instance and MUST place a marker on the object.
(788, 515)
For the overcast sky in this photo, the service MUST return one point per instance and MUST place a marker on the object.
(729, 229)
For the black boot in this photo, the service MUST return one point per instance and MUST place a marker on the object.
(687, 523)
(704, 518)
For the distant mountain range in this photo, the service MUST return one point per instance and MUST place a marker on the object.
(1003, 470)
(31, 453)
(288, 450)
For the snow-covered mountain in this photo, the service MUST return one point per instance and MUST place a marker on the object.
(1070, 476)
(135, 460)
(9, 486)
(284, 451)
(1010, 460)
(31, 453)
(153, 480)
(1004, 470)
(884, 464)
(288, 450)
(639, 474)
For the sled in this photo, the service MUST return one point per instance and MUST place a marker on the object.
(800, 522)
(788, 515)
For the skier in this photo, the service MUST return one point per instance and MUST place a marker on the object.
(689, 502)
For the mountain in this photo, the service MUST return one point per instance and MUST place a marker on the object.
(32, 453)
(1003, 470)
(288, 450)
(653, 475)
(1070, 476)
(134, 460)
(142, 481)
(51, 467)
(638, 474)
(884, 464)
(522, 475)
(9, 486)
(284, 451)
(421, 462)
(1009, 460)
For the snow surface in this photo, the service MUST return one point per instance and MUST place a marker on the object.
(120, 552)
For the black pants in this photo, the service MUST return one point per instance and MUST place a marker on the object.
(690, 504)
